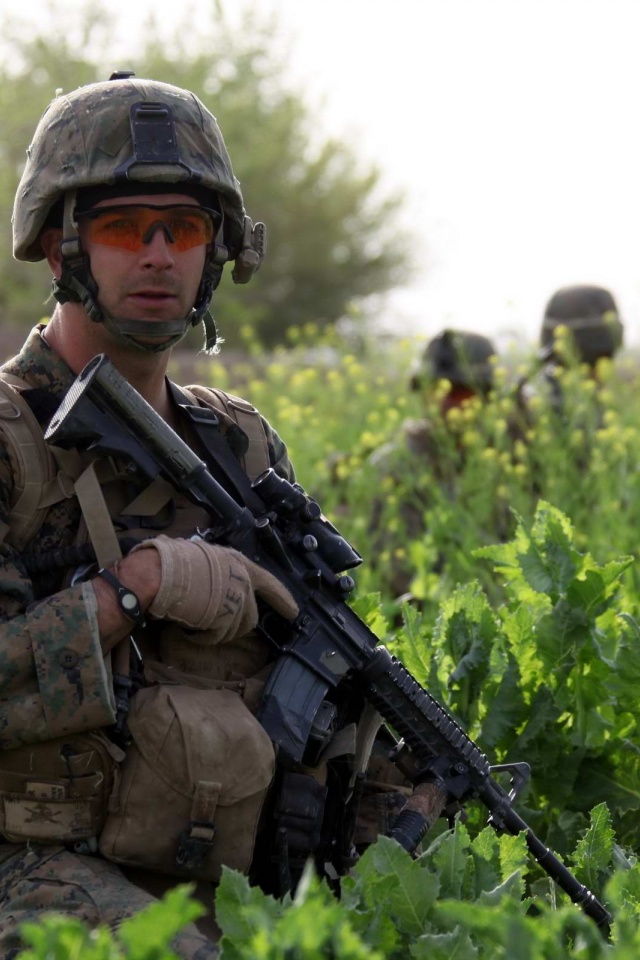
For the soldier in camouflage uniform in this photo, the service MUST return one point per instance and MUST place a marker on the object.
(465, 361)
(129, 194)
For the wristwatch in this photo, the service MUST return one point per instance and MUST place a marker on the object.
(127, 600)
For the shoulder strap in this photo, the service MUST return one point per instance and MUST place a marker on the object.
(34, 465)
(256, 460)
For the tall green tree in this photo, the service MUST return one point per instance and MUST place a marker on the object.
(333, 234)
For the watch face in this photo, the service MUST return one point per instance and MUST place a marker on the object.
(129, 602)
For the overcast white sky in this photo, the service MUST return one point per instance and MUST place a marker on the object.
(513, 125)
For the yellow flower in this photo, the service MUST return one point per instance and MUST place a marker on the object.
(442, 388)
(454, 417)
(520, 450)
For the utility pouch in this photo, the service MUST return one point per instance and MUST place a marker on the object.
(58, 791)
(192, 785)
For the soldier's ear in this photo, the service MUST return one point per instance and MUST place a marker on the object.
(50, 242)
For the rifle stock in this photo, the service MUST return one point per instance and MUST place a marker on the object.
(327, 645)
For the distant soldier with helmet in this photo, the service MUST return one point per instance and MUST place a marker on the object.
(589, 316)
(464, 359)
(456, 367)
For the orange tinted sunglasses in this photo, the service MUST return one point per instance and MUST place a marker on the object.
(131, 225)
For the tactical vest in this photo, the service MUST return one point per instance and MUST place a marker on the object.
(212, 788)
(43, 478)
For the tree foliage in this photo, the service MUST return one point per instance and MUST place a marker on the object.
(334, 238)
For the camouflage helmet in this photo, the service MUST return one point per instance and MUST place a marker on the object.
(120, 134)
(461, 357)
(591, 314)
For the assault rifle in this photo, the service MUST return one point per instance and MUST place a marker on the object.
(327, 647)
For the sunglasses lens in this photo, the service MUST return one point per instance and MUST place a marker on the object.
(130, 226)
(190, 228)
(115, 229)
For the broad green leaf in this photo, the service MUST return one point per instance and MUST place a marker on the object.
(369, 608)
(514, 854)
(543, 716)
(485, 854)
(153, 928)
(592, 857)
(447, 855)
(487, 924)
(242, 909)
(623, 891)
(409, 890)
(413, 644)
(57, 937)
(508, 708)
(512, 887)
(456, 945)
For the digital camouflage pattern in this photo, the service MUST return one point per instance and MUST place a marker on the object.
(48, 878)
(53, 679)
(84, 138)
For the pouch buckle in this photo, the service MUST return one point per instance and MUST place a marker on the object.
(195, 844)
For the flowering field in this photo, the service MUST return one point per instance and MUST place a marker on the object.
(502, 569)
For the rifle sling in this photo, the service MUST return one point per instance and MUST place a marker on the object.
(219, 457)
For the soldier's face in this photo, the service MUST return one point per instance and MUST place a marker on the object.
(157, 281)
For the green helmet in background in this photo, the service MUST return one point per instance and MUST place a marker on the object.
(591, 314)
(461, 357)
(126, 136)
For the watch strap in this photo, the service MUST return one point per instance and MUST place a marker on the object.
(127, 599)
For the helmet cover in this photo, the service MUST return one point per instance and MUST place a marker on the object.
(591, 314)
(459, 356)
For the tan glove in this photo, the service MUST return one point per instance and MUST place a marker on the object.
(209, 587)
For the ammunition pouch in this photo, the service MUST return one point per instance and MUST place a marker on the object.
(193, 782)
(58, 791)
(299, 812)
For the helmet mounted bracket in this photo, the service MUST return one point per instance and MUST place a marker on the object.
(153, 140)
(252, 253)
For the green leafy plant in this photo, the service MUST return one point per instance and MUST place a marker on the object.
(146, 936)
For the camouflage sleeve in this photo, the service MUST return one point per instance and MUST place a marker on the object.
(278, 455)
(53, 677)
